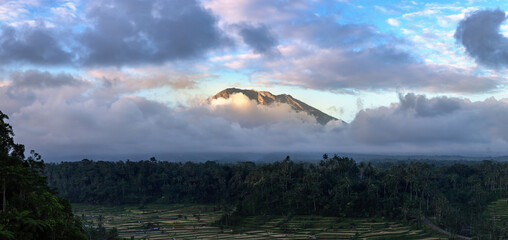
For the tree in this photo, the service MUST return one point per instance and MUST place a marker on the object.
(29, 209)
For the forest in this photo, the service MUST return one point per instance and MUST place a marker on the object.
(454, 195)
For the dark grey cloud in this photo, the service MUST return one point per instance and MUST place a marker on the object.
(424, 107)
(374, 68)
(479, 34)
(32, 44)
(258, 37)
(42, 79)
(117, 33)
(136, 32)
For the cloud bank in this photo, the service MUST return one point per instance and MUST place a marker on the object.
(67, 120)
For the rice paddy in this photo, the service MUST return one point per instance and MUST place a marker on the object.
(498, 210)
(177, 221)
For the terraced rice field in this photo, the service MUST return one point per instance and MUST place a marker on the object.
(499, 210)
(195, 222)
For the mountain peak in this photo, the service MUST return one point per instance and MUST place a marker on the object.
(267, 98)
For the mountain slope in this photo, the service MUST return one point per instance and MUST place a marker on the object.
(266, 98)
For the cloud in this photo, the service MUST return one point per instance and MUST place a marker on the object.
(137, 32)
(35, 79)
(436, 123)
(315, 51)
(32, 44)
(25, 88)
(248, 113)
(321, 52)
(74, 121)
(327, 32)
(65, 12)
(236, 11)
(90, 124)
(182, 83)
(133, 79)
(15, 9)
(359, 104)
(479, 34)
(258, 38)
(393, 22)
(372, 69)
(139, 46)
(423, 107)
(109, 33)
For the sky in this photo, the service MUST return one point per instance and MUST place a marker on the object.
(118, 77)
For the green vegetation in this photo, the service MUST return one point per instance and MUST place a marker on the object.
(184, 221)
(454, 196)
(497, 219)
(498, 210)
(29, 209)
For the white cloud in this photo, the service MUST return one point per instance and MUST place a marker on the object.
(382, 9)
(426, 12)
(15, 10)
(236, 11)
(393, 22)
(247, 113)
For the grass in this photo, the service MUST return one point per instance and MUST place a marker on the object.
(181, 221)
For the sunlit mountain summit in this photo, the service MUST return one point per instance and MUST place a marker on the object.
(267, 98)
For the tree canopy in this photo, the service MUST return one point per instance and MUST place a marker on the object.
(30, 210)
(454, 195)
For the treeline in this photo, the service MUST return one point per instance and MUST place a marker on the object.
(453, 196)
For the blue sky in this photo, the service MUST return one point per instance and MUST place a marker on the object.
(90, 77)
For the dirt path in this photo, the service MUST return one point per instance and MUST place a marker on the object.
(438, 229)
